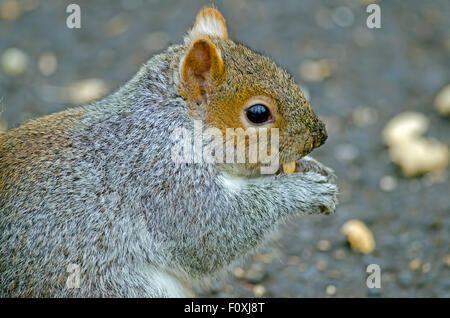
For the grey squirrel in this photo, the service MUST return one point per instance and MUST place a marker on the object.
(97, 186)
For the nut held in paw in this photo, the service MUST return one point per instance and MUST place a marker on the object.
(289, 168)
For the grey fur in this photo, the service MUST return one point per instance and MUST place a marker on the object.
(113, 201)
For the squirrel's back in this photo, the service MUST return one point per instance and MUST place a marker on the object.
(70, 191)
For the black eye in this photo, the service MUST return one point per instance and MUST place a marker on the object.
(258, 114)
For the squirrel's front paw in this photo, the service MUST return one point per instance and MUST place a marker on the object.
(324, 190)
(308, 164)
(311, 188)
(324, 195)
(330, 200)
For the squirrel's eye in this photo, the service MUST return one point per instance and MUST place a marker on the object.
(258, 114)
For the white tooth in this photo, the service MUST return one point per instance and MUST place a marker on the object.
(289, 168)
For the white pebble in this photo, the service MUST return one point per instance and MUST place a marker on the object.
(86, 91)
(47, 63)
(404, 126)
(416, 156)
(316, 71)
(14, 61)
(442, 101)
(331, 290)
(388, 183)
(259, 290)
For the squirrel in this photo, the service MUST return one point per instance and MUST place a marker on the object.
(97, 186)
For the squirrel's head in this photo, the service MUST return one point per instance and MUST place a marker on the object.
(229, 86)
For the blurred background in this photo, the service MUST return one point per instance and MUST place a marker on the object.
(364, 83)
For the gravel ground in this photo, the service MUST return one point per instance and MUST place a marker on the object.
(368, 76)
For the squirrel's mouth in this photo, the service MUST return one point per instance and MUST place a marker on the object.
(290, 167)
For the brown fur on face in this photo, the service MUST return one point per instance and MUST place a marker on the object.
(248, 75)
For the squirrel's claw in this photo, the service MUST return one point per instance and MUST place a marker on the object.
(309, 164)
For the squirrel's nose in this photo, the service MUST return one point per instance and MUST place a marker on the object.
(320, 134)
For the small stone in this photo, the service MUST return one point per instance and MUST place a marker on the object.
(404, 126)
(413, 153)
(10, 10)
(417, 156)
(426, 267)
(14, 61)
(323, 245)
(47, 63)
(259, 290)
(388, 183)
(442, 101)
(359, 236)
(415, 264)
(331, 290)
(446, 260)
(316, 71)
(86, 91)
(239, 273)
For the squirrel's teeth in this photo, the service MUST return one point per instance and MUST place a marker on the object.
(289, 168)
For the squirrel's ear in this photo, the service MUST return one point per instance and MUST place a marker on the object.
(209, 22)
(201, 70)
